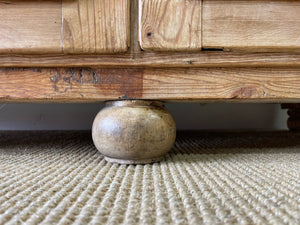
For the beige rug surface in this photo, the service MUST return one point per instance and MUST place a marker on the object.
(207, 178)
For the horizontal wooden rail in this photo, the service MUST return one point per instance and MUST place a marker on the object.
(158, 59)
(277, 84)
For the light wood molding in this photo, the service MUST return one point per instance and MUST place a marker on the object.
(173, 84)
(156, 59)
(259, 25)
(170, 25)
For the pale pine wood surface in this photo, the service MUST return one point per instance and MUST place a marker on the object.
(30, 26)
(199, 76)
(156, 59)
(98, 26)
(89, 27)
(258, 25)
(170, 25)
(173, 84)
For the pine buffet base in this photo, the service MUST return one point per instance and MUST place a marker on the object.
(135, 55)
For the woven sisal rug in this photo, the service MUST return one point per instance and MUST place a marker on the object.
(208, 178)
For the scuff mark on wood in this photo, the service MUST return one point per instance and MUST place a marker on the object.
(38, 70)
(128, 83)
(55, 79)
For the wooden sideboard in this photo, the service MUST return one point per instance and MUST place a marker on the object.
(160, 50)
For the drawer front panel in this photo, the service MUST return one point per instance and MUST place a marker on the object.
(30, 26)
(170, 25)
(259, 25)
(64, 26)
(98, 26)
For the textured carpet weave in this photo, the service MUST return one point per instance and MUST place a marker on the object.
(208, 178)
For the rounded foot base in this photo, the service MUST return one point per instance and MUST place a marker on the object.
(132, 161)
(134, 131)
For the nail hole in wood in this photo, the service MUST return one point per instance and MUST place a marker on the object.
(149, 34)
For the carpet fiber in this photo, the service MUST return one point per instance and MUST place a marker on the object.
(208, 178)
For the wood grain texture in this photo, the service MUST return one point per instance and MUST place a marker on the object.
(134, 47)
(170, 25)
(258, 25)
(30, 27)
(156, 59)
(98, 26)
(173, 84)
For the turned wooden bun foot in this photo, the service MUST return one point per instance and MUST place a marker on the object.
(134, 131)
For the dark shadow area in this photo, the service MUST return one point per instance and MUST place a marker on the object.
(195, 116)
(216, 142)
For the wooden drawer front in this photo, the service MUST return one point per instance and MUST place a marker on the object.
(97, 26)
(30, 26)
(259, 25)
(33, 26)
(170, 25)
